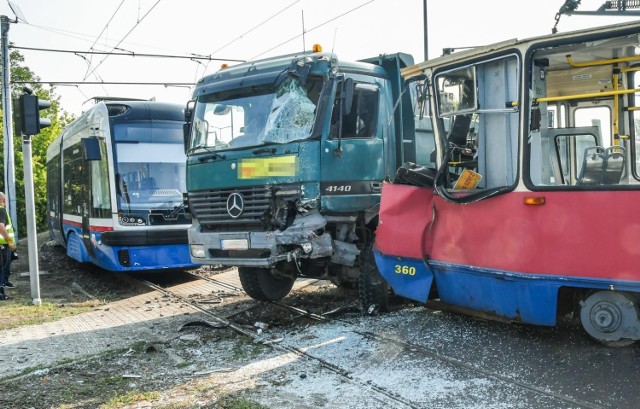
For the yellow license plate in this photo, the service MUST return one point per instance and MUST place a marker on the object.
(267, 167)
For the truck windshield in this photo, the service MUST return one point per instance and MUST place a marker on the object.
(255, 116)
(150, 166)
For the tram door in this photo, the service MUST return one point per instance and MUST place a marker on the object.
(90, 158)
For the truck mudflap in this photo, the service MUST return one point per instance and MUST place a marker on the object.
(408, 277)
(301, 240)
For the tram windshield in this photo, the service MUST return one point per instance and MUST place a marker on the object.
(150, 166)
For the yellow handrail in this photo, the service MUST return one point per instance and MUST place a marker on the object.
(589, 95)
(601, 62)
(616, 135)
(630, 69)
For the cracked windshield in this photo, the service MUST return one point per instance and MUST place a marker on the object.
(256, 116)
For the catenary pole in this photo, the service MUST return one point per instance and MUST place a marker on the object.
(32, 237)
(426, 31)
(9, 164)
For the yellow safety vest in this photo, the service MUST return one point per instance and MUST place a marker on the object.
(8, 227)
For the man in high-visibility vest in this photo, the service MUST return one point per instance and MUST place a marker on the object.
(7, 246)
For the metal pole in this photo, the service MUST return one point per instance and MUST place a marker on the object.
(7, 120)
(426, 32)
(32, 237)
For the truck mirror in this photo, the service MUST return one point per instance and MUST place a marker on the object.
(347, 95)
(188, 110)
(188, 118)
(91, 149)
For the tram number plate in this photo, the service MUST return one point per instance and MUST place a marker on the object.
(234, 244)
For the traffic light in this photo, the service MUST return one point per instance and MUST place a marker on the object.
(27, 114)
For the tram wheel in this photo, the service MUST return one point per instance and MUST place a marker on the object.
(261, 284)
(373, 290)
(610, 317)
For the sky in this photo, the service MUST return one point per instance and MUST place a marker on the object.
(250, 30)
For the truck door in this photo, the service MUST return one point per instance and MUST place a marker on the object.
(352, 161)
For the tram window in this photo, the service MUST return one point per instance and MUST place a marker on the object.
(636, 123)
(556, 116)
(100, 198)
(596, 116)
(424, 144)
(73, 184)
(483, 139)
(571, 150)
(53, 183)
(457, 92)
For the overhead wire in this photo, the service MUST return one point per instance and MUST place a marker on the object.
(253, 29)
(166, 84)
(192, 57)
(125, 36)
(126, 54)
(100, 35)
(313, 28)
(106, 25)
(96, 74)
(88, 37)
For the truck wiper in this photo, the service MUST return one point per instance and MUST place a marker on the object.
(264, 150)
(212, 155)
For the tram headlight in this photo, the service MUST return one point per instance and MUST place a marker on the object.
(197, 250)
(132, 221)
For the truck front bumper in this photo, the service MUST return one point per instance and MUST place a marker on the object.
(305, 238)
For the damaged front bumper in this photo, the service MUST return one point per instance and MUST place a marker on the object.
(305, 238)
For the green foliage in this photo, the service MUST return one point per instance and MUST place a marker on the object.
(39, 144)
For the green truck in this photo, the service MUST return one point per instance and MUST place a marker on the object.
(285, 162)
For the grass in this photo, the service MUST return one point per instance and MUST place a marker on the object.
(129, 398)
(237, 402)
(18, 313)
(245, 348)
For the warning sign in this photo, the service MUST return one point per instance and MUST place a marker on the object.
(468, 180)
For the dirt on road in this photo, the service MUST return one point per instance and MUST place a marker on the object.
(166, 368)
(171, 355)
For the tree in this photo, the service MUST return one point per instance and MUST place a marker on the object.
(39, 143)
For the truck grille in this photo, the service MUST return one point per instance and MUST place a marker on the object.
(210, 206)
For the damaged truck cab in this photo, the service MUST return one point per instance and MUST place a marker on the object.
(285, 163)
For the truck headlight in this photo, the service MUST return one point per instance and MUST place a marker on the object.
(197, 250)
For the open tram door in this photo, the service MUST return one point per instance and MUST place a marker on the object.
(532, 210)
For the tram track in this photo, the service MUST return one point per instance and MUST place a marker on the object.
(385, 394)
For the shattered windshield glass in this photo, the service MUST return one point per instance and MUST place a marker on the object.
(255, 116)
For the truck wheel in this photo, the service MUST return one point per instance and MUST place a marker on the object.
(609, 317)
(373, 290)
(262, 285)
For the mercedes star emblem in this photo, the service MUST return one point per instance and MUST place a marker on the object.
(235, 205)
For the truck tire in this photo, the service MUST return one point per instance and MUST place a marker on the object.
(373, 290)
(261, 285)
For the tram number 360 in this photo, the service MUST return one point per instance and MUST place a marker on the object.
(405, 270)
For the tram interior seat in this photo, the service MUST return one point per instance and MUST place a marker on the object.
(460, 130)
(602, 166)
(615, 161)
